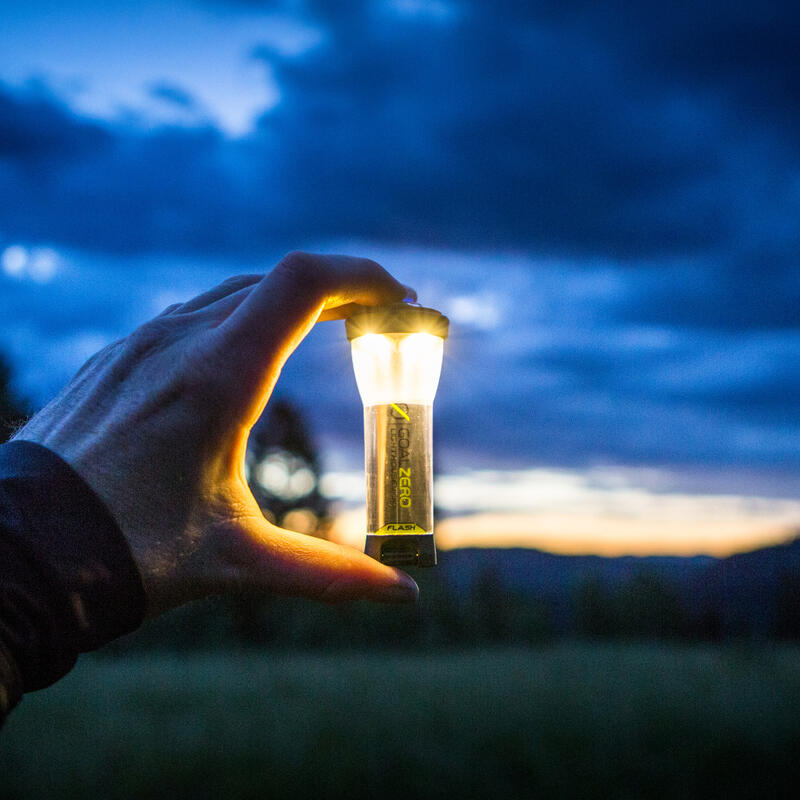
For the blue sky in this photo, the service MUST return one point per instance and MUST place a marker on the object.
(604, 197)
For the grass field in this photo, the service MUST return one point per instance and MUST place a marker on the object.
(564, 720)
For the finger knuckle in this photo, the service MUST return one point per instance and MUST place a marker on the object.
(371, 266)
(147, 339)
(149, 334)
(302, 266)
(201, 376)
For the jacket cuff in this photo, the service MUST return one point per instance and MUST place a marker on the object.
(69, 580)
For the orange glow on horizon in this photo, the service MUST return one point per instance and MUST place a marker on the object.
(584, 534)
(572, 535)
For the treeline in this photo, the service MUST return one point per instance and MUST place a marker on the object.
(13, 408)
(644, 605)
(441, 618)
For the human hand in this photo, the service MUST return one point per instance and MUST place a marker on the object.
(157, 424)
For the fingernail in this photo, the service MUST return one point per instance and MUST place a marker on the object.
(404, 591)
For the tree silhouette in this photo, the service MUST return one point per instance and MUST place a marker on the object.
(596, 612)
(650, 607)
(491, 603)
(13, 409)
(283, 472)
(787, 606)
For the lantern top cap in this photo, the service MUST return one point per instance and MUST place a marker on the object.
(397, 318)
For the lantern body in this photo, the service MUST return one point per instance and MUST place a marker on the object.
(397, 372)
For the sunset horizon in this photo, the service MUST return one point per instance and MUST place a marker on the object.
(564, 511)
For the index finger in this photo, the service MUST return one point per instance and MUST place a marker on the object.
(258, 337)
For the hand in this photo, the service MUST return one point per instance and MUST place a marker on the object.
(157, 424)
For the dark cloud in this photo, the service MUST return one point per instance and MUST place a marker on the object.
(173, 94)
(759, 291)
(557, 128)
(110, 189)
(36, 129)
(569, 380)
(650, 150)
(494, 134)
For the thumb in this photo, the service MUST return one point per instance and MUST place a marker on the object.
(288, 563)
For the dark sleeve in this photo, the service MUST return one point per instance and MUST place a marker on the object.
(68, 581)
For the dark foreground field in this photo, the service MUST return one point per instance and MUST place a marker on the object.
(567, 720)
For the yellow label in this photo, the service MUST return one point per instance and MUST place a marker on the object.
(401, 412)
(401, 527)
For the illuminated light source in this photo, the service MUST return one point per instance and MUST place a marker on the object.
(397, 357)
(301, 520)
(43, 264)
(39, 264)
(14, 260)
(285, 476)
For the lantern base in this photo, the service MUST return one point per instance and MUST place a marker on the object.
(402, 549)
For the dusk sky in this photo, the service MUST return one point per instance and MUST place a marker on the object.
(604, 198)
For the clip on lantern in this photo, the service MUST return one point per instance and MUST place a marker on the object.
(397, 358)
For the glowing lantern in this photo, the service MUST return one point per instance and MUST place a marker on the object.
(397, 358)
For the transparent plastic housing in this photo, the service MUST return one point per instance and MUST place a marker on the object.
(397, 376)
(398, 445)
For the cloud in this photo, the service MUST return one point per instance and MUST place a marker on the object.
(487, 135)
(112, 189)
(173, 94)
(562, 377)
(618, 187)
(36, 129)
(495, 126)
(559, 377)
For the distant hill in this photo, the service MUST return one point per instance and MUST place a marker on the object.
(493, 596)
(752, 594)
(540, 572)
